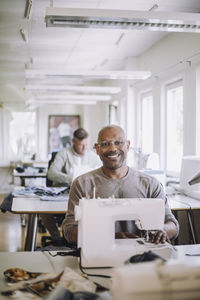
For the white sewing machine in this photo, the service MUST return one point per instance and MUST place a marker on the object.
(96, 229)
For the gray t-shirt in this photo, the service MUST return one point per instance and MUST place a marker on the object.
(134, 185)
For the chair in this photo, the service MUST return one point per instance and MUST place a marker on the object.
(46, 240)
(48, 181)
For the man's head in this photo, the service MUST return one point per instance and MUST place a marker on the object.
(80, 141)
(112, 147)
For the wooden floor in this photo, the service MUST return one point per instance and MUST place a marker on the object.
(12, 233)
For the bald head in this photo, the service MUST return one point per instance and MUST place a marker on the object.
(112, 148)
(111, 128)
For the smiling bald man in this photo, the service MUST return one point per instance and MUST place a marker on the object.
(117, 179)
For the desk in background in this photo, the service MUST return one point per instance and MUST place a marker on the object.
(27, 175)
(34, 206)
(181, 202)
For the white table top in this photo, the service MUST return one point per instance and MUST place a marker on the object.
(35, 262)
(43, 262)
(35, 205)
(181, 201)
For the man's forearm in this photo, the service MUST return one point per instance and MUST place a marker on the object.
(170, 229)
(74, 235)
(71, 234)
(59, 177)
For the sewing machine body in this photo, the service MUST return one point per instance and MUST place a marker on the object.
(96, 229)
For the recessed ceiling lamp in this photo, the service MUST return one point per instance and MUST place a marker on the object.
(128, 75)
(42, 102)
(122, 19)
(74, 88)
(75, 97)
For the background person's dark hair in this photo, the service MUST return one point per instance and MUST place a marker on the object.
(80, 134)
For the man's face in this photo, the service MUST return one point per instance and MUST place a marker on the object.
(80, 146)
(112, 148)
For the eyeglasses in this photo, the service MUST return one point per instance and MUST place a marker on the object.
(107, 144)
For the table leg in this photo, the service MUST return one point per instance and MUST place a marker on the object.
(191, 226)
(175, 213)
(22, 181)
(31, 232)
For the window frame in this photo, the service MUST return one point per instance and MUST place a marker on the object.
(142, 96)
(169, 86)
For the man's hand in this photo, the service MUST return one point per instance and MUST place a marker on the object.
(159, 237)
(125, 235)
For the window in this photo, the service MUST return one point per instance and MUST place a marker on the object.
(113, 113)
(146, 126)
(22, 134)
(174, 127)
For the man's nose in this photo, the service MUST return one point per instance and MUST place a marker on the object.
(112, 145)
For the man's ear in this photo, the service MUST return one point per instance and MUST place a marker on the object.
(128, 144)
(96, 147)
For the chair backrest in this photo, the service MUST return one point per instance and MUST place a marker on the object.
(48, 181)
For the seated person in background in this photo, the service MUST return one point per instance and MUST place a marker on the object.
(68, 164)
(116, 178)
(73, 161)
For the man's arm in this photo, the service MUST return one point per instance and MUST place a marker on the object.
(69, 225)
(55, 172)
(171, 226)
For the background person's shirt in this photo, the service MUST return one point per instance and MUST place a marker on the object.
(67, 165)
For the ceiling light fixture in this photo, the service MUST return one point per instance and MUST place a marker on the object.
(76, 97)
(41, 102)
(75, 88)
(122, 19)
(42, 74)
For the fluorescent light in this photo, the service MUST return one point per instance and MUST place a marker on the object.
(76, 97)
(38, 102)
(122, 19)
(75, 88)
(129, 75)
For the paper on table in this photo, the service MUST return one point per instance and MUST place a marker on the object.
(55, 198)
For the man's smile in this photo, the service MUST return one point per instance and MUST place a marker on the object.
(112, 155)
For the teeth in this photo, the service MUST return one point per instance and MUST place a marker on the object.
(113, 156)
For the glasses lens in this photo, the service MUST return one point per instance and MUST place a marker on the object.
(106, 144)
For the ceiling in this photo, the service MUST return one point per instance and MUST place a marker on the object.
(27, 44)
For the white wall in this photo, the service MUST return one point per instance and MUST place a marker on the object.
(92, 117)
(167, 60)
